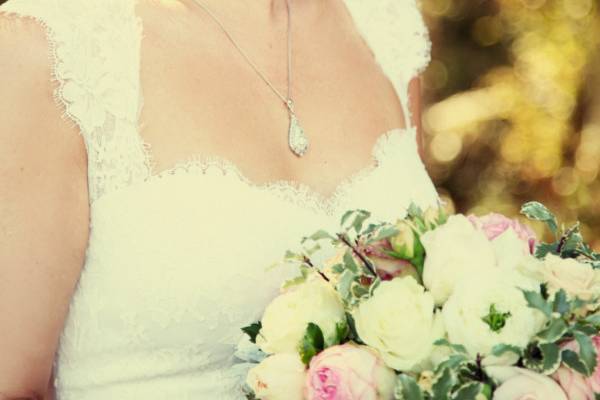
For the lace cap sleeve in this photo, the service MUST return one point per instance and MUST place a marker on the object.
(95, 49)
(396, 32)
(414, 38)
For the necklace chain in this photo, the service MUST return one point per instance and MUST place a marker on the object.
(286, 100)
(297, 140)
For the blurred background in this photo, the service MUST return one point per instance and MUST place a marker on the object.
(513, 106)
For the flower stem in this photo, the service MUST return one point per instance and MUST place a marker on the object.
(308, 262)
(368, 265)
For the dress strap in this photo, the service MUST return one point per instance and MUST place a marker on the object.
(397, 35)
(95, 61)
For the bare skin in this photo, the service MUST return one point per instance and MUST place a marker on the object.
(201, 98)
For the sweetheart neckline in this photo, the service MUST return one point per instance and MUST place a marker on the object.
(295, 192)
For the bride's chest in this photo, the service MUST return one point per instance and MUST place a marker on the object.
(201, 96)
(183, 259)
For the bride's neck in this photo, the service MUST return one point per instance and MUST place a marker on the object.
(262, 9)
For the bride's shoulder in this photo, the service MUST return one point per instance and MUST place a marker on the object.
(25, 53)
(63, 16)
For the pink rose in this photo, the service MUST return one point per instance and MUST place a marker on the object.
(522, 384)
(387, 267)
(494, 225)
(349, 372)
(577, 386)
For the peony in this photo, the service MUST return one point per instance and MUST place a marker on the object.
(498, 227)
(349, 372)
(522, 384)
(487, 309)
(278, 377)
(286, 318)
(575, 385)
(399, 321)
(577, 279)
(454, 250)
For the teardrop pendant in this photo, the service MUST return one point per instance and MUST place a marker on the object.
(297, 139)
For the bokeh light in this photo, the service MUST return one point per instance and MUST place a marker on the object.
(513, 94)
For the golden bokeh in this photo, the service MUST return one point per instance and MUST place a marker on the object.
(513, 94)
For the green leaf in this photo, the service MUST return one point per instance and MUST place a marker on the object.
(469, 391)
(537, 211)
(384, 233)
(543, 249)
(344, 284)
(584, 328)
(535, 300)
(572, 360)
(359, 220)
(456, 347)
(352, 332)
(360, 291)
(408, 389)
(544, 358)
(345, 217)
(350, 262)
(341, 332)
(338, 268)
(292, 256)
(561, 304)
(319, 235)
(501, 349)
(252, 330)
(312, 343)
(554, 331)
(587, 352)
(453, 362)
(442, 387)
(593, 319)
(414, 211)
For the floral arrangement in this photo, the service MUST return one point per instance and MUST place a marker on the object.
(433, 307)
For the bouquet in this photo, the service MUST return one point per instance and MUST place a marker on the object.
(433, 307)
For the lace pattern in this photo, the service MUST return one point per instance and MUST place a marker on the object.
(295, 192)
(95, 56)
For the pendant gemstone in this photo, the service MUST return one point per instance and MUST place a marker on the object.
(297, 139)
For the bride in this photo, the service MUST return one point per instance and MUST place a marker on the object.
(159, 155)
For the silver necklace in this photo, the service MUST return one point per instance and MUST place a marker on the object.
(297, 140)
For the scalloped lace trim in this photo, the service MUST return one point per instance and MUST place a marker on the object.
(298, 193)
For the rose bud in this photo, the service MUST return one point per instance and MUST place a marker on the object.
(406, 243)
(387, 266)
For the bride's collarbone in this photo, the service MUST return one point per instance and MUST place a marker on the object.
(201, 98)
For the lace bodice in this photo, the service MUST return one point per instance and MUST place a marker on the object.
(177, 260)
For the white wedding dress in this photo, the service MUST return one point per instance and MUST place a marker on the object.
(177, 261)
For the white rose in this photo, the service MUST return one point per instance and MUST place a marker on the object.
(278, 377)
(399, 321)
(286, 318)
(509, 249)
(482, 295)
(522, 384)
(577, 279)
(454, 250)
